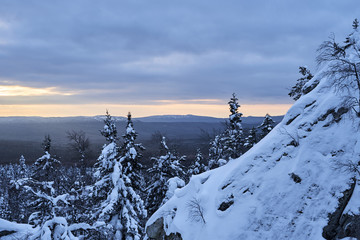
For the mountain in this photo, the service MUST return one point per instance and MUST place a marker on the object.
(179, 118)
(158, 119)
(299, 182)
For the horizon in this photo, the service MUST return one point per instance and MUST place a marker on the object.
(124, 116)
(217, 111)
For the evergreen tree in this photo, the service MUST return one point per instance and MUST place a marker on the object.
(215, 152)
(130, 157)
(46, 167)
(251, 139)
(197, 167)
(23, 171)
(266, 126)
(234, 132)
(229, 144)
(18, 198)
(164, 168)
(43, 182)
(298, 90)
(48, 203)
(117, 204)
(109, 131)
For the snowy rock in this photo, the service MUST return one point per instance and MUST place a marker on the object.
(156, 232)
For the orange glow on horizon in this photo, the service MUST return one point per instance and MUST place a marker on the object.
(212, 110)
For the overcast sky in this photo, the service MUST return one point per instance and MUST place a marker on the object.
(192, 52)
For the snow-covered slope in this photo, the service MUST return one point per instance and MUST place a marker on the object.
(285, 187)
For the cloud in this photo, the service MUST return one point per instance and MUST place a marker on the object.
(142, 52)
(14, 90)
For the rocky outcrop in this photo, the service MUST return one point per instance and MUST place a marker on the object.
(156, 231)
(339, 225)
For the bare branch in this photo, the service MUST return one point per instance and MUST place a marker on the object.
(196, 211)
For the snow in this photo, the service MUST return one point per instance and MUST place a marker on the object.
(267, 202)
(21, 230)
(172, 185)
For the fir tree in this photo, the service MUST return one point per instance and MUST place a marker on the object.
(46, 167)
(251, 139)
(23, 171)
(298, 90)
(215, 152)
(164, 168)
(233, 145)
(48, 202)
(43, 181)
(117, 204)
(266, 126)
(18, 198)
(109, 131)
(197, 167)
(130, 157)
(229, 144)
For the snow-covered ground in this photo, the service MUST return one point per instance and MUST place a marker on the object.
(284, 187)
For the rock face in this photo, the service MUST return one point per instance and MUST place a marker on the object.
(299, 182)
(340, 225)
(156, 231)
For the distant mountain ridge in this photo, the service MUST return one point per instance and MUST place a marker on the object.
(155, 118)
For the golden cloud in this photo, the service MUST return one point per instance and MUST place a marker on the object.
(17, 90)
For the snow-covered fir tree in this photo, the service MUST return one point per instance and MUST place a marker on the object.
(109, 131)
(215, 152)
(229, 144)
(44, 179)
(119, 209)
(234, 132)
(130, 156)
(46, 167)
(297, 91)
(48, 202)
(266, 126)
(23, 171)
(198, 166)
(164, 168)
(251, 139)
(18, 198)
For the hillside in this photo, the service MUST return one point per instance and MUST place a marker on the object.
(299, 182)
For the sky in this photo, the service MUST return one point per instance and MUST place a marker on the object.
(71, 58)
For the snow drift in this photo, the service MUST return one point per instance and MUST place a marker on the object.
(299, 180)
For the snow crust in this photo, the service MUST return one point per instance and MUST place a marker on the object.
(260, 198)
